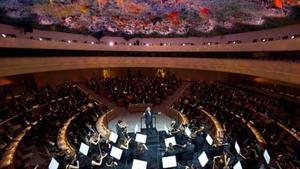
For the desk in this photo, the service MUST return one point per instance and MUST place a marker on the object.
(174, 114)
(9, 154)
(102, 123)
(262, 142)
(295, 135)
(219, 133)
(62, 141)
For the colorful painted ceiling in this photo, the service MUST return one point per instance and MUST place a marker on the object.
(161, 17)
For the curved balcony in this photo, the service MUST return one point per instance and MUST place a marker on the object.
(283, 71)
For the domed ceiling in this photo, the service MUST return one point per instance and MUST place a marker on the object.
(152, 17)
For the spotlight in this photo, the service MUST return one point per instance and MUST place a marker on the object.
(183, 44)
(130, 44)
(293, 37)
(40, 39)
(147, 44)
(111, 43)
(208, 43)
(3, 35)
(165, 44)
(92, 43)
(263, 40)
(234, 42)
(69, 41)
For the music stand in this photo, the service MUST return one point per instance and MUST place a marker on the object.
(141, 138)
(170, 140)
(113, 137)
(139, 164)
(238, 166)
(84, 149)
(237, 148)
(203, 159)
(116, 152)
(169, 162)
(166, 129)
(53, 164)
(136, 128)
(188, 132)
(209, 139)
(267, 156)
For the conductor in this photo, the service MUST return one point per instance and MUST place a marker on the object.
(148, 119)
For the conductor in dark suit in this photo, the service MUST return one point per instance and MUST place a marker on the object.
(148, 118)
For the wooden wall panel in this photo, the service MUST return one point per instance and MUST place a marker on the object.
(283, 71)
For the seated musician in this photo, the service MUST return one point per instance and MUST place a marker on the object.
(174, 127)
(97, 160)
(171, 150)
(141, 148)
(123, 138)
(73, 166)
(110, 163)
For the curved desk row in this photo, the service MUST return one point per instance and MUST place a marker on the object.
(62, 141)
(219, 131)
(8, 156)
(258, 136)
(295, 134)
(174, 114)
(102, 123)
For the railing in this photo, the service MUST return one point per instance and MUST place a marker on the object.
(180, 117)
(219, 131)
(62, 139)
(8, 156)
(102, 123)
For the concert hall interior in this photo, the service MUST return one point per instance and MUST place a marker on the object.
(131, 84)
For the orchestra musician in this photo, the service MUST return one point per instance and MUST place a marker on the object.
(122, 132)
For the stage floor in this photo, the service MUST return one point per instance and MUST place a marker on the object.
(133, 119)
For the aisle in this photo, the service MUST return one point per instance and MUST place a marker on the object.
(134, 119)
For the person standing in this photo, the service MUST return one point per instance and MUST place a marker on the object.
(148, 119)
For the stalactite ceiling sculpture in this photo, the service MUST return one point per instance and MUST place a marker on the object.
(148, 17)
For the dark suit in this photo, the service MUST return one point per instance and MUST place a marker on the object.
(148, 119)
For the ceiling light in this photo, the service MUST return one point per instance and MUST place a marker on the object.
(3, 35)
(111, 43)
(293, 37)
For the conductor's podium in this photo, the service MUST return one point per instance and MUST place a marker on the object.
(140, 107)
